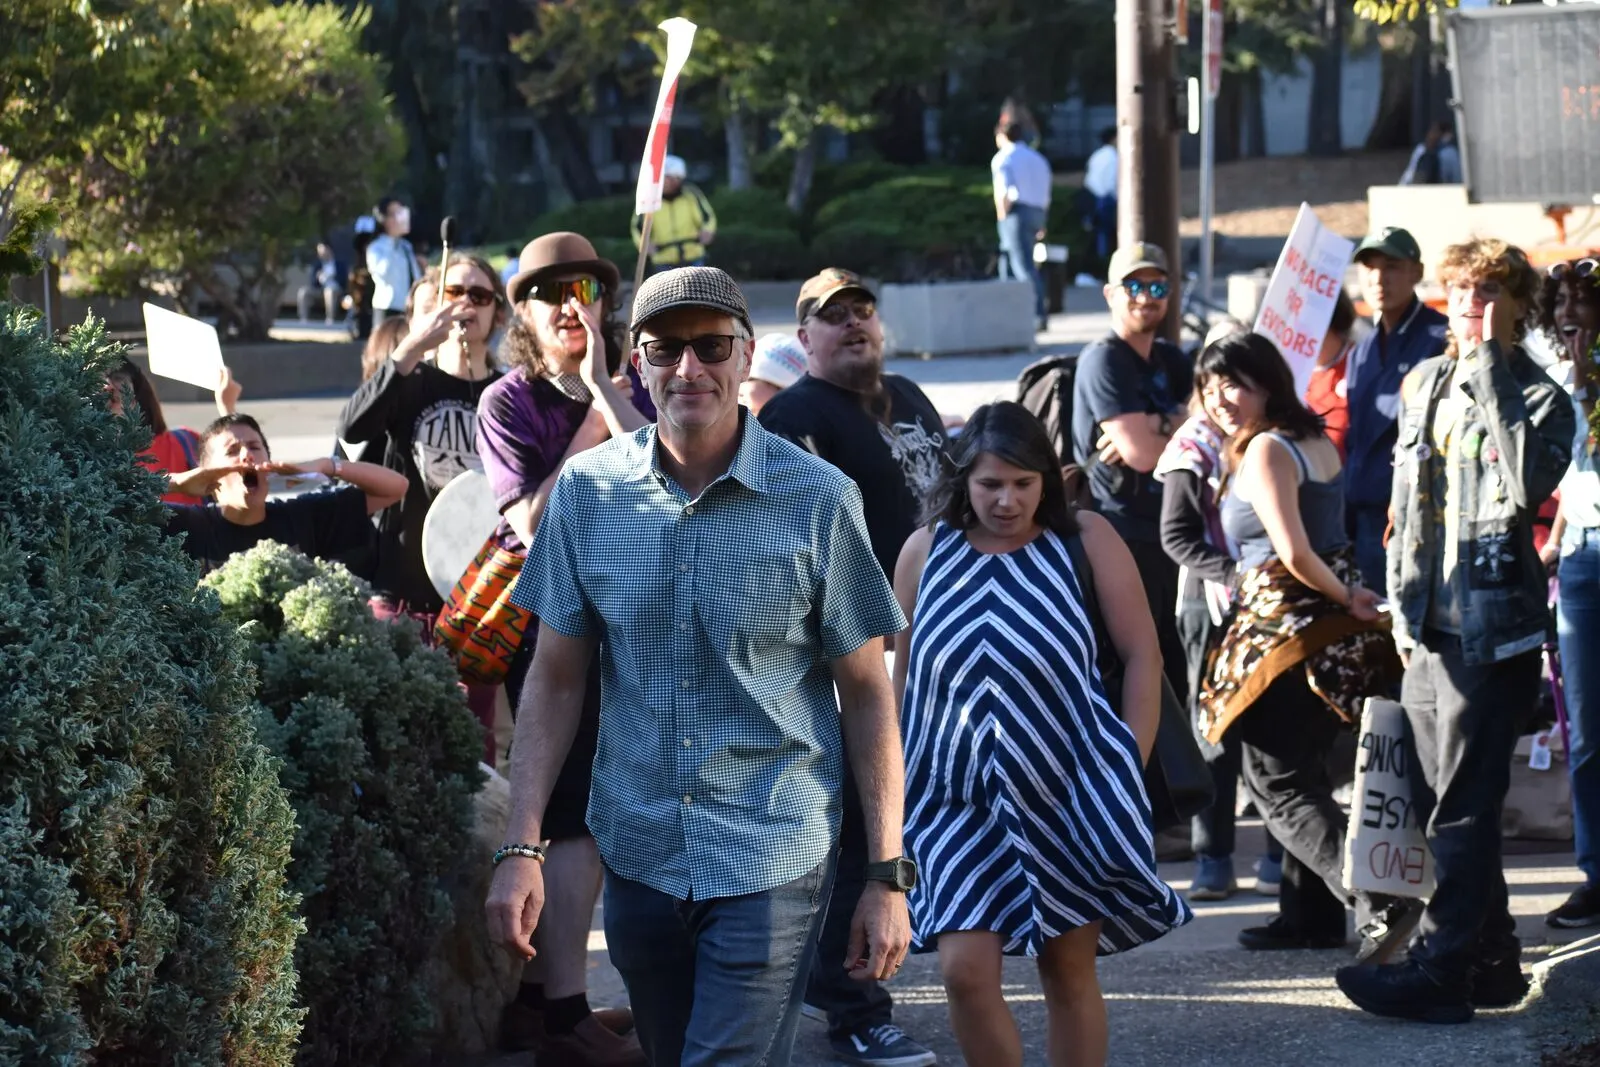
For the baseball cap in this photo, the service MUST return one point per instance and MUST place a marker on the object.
(1391, 241)
(779, 359)
(1141, 255)
(674, 167)
(683, 287)
(824, 286)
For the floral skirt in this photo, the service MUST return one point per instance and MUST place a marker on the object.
(1279, 624)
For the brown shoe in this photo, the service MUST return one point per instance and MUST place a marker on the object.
(592, 1044)
(522, 1027)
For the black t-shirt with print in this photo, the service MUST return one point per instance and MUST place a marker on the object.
(895, 463)
(427, 425)
(330, 525)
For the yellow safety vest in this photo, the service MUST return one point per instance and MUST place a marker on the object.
(676, 229)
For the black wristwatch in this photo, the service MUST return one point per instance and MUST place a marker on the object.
(899, 873)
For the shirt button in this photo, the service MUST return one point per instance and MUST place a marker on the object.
(687, 799)
(683, 627)
(686, 684)
(688, 743)
(688, 509)
(683, 568)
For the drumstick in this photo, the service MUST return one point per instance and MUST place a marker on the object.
(447, 237)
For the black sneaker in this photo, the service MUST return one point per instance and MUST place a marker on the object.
(1404, 991)
(1278, 936)
(885, 1045)
(1581, 909)
(1498, 981)
(1389, 929)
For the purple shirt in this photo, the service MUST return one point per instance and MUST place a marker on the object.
(524, 427)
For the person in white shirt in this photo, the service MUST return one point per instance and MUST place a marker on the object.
(391, 260)
(1100, 184)
(1022, 180)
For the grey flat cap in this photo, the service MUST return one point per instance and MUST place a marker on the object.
(702, 287)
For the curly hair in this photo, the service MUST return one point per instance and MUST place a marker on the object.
(1586, 289)
(1010, 431)
(1482, 259)
(519, 345)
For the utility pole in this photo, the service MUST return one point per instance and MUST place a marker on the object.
(1147, 135)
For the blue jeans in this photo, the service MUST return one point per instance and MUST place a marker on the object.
(1578, 628)
(1017, 232)
(1365, 524)
(1105, 226)
(716, 983)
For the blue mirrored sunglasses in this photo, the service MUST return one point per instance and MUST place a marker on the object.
(1157, 290)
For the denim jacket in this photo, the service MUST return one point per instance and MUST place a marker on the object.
(1514, 442)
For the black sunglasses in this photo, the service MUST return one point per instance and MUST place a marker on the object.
(708, 348)
(481, 296)
(839, 313)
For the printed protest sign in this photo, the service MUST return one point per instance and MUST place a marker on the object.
(1305, 285)
(1386, 850)
(181, 348)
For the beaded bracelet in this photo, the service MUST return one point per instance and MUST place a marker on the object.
(532, 852)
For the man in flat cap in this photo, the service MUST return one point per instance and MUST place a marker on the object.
(727, 578)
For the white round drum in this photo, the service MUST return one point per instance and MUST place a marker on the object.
(460, 519)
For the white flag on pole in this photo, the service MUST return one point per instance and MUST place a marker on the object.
(680, 38)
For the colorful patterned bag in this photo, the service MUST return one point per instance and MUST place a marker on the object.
(479, 625)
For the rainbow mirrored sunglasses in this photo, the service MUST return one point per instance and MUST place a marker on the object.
(584, 290)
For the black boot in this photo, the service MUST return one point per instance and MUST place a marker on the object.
(1279, 935)
(1498, 981)
(1405, 991)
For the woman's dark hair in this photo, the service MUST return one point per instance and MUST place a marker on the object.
(1251, 359)
(1008, 430)
(145, 393)
(1344, 316)
(1586, 289)
(228, 422)
(381, 343)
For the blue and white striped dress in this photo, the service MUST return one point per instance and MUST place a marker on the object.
(1025, 804)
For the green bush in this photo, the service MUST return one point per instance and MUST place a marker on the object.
(752, 209)
(609, 216)
(144, 836)
(767, 255)
(380, 758)
(944, 206)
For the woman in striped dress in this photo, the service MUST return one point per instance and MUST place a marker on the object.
(1025, 804)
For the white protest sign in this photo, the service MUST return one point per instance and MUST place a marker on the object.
(1386, 850)
(680, 38)
(181, 348)
(1304, 288)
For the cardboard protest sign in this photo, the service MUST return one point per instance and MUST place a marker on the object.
(1300, 296)
(181, 348)
(1385, 850)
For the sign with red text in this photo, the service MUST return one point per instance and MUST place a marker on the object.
(680, 39)
(1305, 285)
(1213, 48)
(1386, 850)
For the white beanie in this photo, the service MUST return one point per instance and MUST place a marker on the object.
(779, 359)
(674, 167)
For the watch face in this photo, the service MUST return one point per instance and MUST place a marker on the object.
(905, 874)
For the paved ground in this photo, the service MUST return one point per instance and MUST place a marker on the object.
(1194, 998)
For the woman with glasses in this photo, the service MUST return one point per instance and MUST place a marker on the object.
(565, 392)
(1569, 311)
(421, 406)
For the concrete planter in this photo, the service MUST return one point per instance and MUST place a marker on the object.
(944, 318)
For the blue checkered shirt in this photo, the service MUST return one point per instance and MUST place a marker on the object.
(720, 755)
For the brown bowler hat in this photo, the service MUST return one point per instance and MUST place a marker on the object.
(560, 253)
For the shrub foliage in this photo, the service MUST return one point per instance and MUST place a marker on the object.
(144, 837)
(380, 758)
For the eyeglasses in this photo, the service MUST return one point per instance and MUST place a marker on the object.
(1157, 290)
(1584, 268)
(481, 296)
(708, 348)
(838, 314)
(584, 290)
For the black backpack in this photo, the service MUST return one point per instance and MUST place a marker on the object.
(1045, 388)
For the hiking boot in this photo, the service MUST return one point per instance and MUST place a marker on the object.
(1269, 876)
(591, 1044)
(1388, 930)
(1404, 991)
(885, 1045)
(1213, 879)
(1279, 936)
(1498, 981)
(1581, 909)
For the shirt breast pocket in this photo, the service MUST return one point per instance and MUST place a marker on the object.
(768, 602)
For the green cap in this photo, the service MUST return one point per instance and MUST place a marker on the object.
(1391, 241)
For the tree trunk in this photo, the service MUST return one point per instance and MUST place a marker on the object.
(805, 169)
(1392, 126)
(737, 136)
(1421, 81)
(569, 147)
(901, 138)
(1325, 136)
